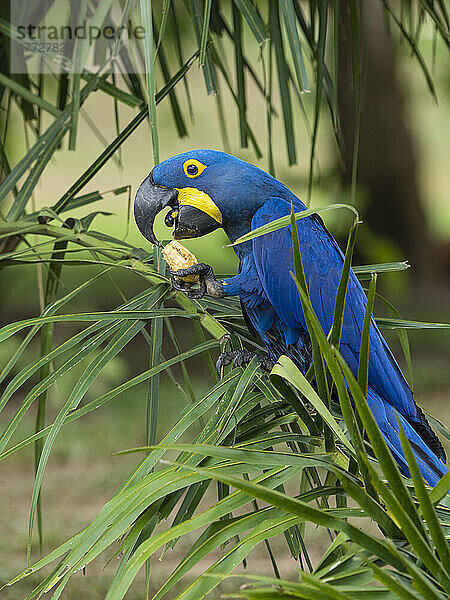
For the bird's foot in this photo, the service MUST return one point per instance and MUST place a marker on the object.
(240, 358)
(208, 283)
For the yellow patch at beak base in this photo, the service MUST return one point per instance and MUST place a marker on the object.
(201, 200)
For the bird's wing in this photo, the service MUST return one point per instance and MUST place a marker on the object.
(322, 263)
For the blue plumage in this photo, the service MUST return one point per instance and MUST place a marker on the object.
(248, 198)
(389, 394)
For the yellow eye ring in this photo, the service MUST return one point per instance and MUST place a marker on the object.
(193, 168)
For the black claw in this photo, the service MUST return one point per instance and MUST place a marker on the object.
(208, 284)
(240, 358)
(197, 294)
(201, 269)
(266, 362)
(243, 358)
(224, 360)
(179, 284)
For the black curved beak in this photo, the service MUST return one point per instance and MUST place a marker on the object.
(189, 221)
(150, 200)
(192, 222)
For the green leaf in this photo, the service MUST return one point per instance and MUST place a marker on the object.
(426, 507)
(288, 13)
(147, 22)
(43, 562)
(205, 31)
(124, 334)
(119, 514)
(27, 95)
(25, 192)
(164, 16)
(318, 366)
(113, 91)
(263, 531)
(341, 294)
(364, 272)
(52, 284)
(414, 49)
(156, 338)
(226, 77)
(286, 369)
(317, 333)
(217, 533)
(177, 35)
(398, 502)
(111, 394)
(189, 416)
(81, 49)
(195, 10)
(240, 75)
(441, 489)
(91, 197)
(27, 372)
(48, 311)
(175, 105)
(296, 403)
(284, 221)
(11, 329)
(319, 52)
(363, 367)
(404, 324)
(283, 81)
(249, 456)
(394, 584)
(254, 21)
(43, 385)
(293, 506)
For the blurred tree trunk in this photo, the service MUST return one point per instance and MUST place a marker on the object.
(387, 161)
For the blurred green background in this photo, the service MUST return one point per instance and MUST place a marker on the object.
(82, 475)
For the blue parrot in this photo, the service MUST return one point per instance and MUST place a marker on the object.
(208, 189)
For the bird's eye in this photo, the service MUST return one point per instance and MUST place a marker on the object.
(193, 168)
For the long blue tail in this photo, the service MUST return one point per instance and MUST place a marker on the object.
(430, 465)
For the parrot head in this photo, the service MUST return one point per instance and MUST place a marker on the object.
(204, 190)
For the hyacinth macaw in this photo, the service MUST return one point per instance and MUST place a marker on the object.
(207, 189)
